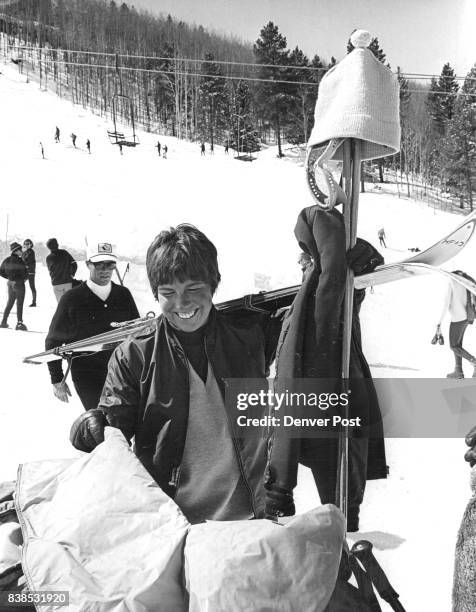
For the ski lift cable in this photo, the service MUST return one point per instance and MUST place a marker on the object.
(230, 77)
(231, 63)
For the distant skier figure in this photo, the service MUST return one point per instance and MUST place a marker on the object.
(226, 148)
(57, 134)
(202, 149)
(158, 145)
(164, 154)
(42, 150)
(88, 146)
(14, 270)
(73, 138)
(382, 237)
(458, 303)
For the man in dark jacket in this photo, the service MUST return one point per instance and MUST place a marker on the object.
(61, 267)
(166, 387)
(14, 270)
(84, 311)
(29, 259)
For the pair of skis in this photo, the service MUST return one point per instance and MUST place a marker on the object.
(424, 263)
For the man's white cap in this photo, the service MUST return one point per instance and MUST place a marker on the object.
(359, 98)
(100, 251)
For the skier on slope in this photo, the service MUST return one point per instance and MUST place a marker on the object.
(158, 145)
(57, 134)
(457, 303)
(382, 237)
(15, 271)
(84, 311)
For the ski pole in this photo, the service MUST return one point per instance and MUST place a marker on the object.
(362, 550)
(351, 177)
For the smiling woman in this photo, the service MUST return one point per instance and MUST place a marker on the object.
(166, 386)
(185, 305)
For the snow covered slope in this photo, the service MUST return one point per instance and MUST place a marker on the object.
(249, 211)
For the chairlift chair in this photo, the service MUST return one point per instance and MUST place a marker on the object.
(115, 136)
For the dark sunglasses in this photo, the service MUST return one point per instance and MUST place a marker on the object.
(104, 265)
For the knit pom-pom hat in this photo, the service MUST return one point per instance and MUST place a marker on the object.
(359, 98)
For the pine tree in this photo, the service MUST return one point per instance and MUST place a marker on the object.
(440, 104)
(243, 135)
(213, 100)
(442, 98)
(302, 100)
(273, 99)
(459, 153)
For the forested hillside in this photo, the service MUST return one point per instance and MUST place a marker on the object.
(185, 81)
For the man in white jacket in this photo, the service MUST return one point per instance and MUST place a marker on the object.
(456, 303)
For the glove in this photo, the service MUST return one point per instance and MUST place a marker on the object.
(61, 391)
(279, 501)
(363, 257)
(87, 431)
(470, 456)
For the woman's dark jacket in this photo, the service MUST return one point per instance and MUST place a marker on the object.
(146, 393)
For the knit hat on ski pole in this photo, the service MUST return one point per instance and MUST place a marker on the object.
(359, 98)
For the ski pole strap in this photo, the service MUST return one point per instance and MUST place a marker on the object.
(69, 360)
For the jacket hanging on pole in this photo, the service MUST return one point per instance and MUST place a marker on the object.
(310, 347)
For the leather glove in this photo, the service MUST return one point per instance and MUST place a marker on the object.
(87, 431)
(279, 501)
(61, 391)
(470, 455)
(363, 257)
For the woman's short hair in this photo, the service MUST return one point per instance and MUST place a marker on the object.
(182, 253)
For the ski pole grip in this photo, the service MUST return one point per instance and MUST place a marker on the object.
(362, 550)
